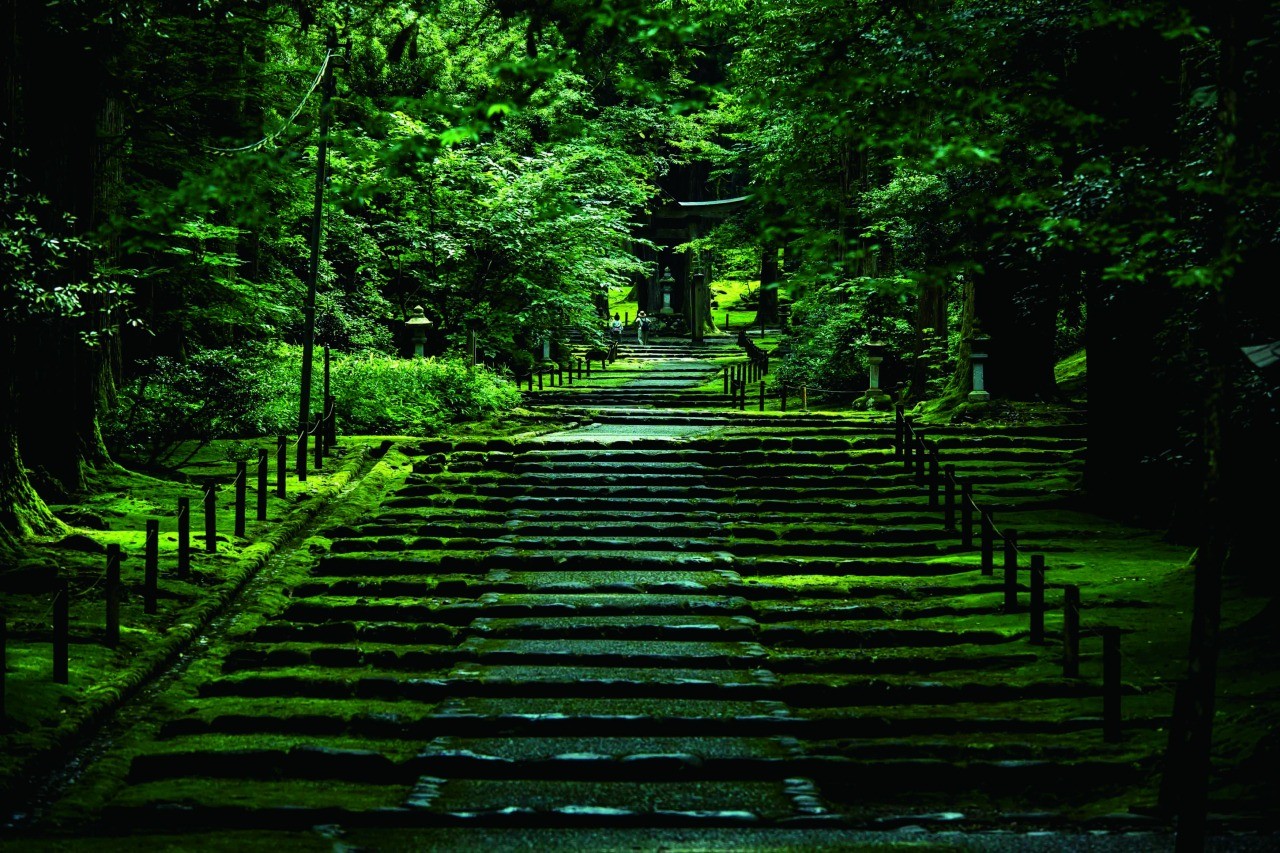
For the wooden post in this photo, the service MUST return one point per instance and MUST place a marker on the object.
(1112, 722)
(966, 515)
(112, 592)
(539, 380)
(726, 319)
(1010, 570)
(988, 541)
(588, 365)
(242, 489)
(151, 566)
(319, 444)
(184, 537)
(61, 631)
(328, 403)
(263, 456)
(897, 431)
(949, 498)
(531, 378)
(921, 451)
(762, 395)
(210, 518)
(331, 424)
(782, 397)
(908, 442)
(804, 397)
(724, 375)
(1037, 599)
(742, 396)
(301, 452)
(934, 476)
(570, 372)
(282, 465)
(1071, 631)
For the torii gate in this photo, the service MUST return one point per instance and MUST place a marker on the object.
(671, 225)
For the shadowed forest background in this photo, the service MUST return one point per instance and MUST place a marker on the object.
(1063, 178)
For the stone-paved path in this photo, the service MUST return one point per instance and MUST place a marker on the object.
(705, 620)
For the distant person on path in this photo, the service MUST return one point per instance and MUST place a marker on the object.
(642, 327)
(615, 329)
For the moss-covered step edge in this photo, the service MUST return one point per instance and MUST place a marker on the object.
(85, 719)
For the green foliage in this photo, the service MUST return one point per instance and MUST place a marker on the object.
(247, 391)
(376, 394)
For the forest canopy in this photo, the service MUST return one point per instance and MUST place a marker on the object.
(1049, 177)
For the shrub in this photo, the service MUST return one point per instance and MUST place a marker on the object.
(253, 390)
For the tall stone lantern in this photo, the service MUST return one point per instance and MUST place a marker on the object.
(876, 396)
(418, 326)
(977, 361)
(666, 285)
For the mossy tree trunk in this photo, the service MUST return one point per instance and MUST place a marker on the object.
(64, 376)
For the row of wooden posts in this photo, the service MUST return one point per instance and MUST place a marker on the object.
(555, 376)
(737, 376)
(323, 430)
(920, 456)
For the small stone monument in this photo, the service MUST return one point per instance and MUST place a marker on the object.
(875, 396)
(977, 360)
(666, 284)
(418, 326)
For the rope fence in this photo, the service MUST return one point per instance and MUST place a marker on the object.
(920, 458)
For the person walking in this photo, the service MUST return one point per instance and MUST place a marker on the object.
(642, 327)
(615, 329)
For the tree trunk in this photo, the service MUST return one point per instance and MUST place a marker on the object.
(63, 383)
(1019, 314)
(767, 303)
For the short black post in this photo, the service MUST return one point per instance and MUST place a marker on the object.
(966, 515)
(560, 374)
(949, 498)
(921, 450)
(782, 397)
(210, 518)
(263, 456)
(302, 453)
(762, 395)
(61, 631)
(897, 431)
(242, 492)
(1010, 570)
(726, 319)
(570, 372)
(282, 466)
(113, 596)
(325, 402)
(580, 369)
(1037, 599)
(151, 566)
(588, 366)
(1111, 715)
(184, 537)
(330, 423)
(319, 443)
(988, 541)
(530, 378)
(724, 375)
(742, 396)
(1071, 631)
(908, 443)
(934, 475)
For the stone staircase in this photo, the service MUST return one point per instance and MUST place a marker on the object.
(666, 620)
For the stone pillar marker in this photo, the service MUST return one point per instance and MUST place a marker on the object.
(418, 326)
(546, 349)
(875, 396)
(977, 360)
(666, 284)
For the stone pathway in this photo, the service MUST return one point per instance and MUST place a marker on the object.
(646, 623)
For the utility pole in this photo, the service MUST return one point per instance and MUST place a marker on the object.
(313, 272)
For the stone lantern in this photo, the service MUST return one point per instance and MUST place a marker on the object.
(666, 284)
(418, 326)
(876, 397)
(977, 360)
